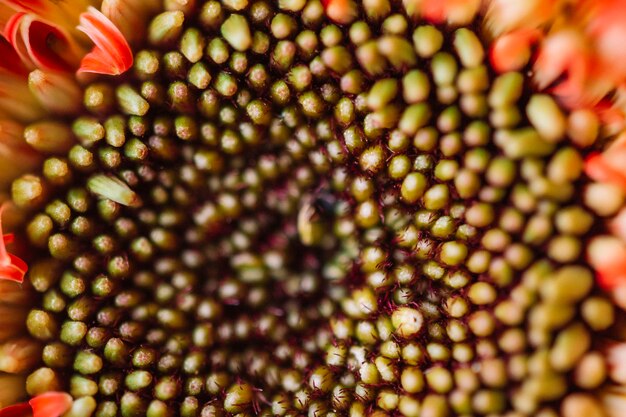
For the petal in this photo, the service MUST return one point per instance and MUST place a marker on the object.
(618, 225)
(615, 154)
(616, 359)
(12, 268)
(456, 12)
(5, 14)
(10, 59)
(12, 34)
(341, 11)
(17, 410)
(614, 401)
(511, 52)
(506, 15)
(599, 169)
(606, 28)
(40, 43)
(128, 15)
(111, 54)
(50, 404)
(562, 53)
(607, 255)
(40, 7)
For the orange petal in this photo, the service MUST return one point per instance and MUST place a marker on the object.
(564, 59)
(451, 11)
(17, 410)
(510, 15)
(512, 51)
(615, 154)
(12, 268)
(39, 7)
(50, 404)
(597, 168)
(607, 29)
(607, 255)
(111, 54)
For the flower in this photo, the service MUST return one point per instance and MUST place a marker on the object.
(237, 207)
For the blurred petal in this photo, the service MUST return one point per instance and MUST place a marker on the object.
(512, 51)
(607, 29)
(341, 11)
(616, 359)
(506, 15)
(50, 404)
(614, 401)
(456, 12)
(16, 100)
(12, 268)
(609, 165)
(57, 92)
(10, 59)
(128, 15)
(18, 410)
(13, 390)
(607, 255)
(111, 54)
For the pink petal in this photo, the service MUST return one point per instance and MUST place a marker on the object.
(111, 54)
(51, 404)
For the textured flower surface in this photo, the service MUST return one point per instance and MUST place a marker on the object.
(313, 207)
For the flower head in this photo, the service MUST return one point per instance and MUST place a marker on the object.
(320, 207)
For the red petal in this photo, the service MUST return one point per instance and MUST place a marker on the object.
(8, 238)
(18, 410)
(10, 59)
(12, 268)
(51, 404)
(611, 278)
(39, 7)
(12, 34)
(111, 54)
(44, 43)
(39, 43)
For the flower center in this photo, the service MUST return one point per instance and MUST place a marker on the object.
(274, 213)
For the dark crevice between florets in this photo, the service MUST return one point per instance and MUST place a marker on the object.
(284, 241)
